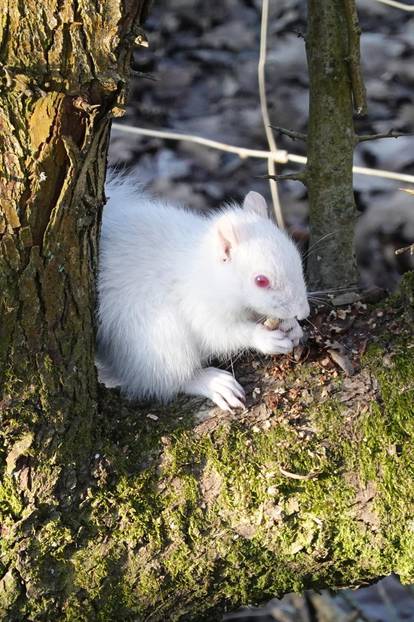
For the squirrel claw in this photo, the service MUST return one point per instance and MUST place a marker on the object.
(219, 386)
(222, 403)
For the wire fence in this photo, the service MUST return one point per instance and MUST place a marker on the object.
(274, 155)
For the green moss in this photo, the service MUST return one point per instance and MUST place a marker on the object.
(389, 439)
(321, 534)
(54, 537)
(180, 522)
(10, 501)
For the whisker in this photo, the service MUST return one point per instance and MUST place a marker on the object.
(313, 325)
(315, 244)
(319, 299)
(334, 290)
(233, 359)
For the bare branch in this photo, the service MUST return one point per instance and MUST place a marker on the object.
(143, 74)
(264, 109)
(298, 33)
(410, 248)
(354, 58)
(301, 176)
(390, 134)
(291, 133)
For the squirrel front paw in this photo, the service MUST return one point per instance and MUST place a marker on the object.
(292, 329)
(271, 341)
(219, 386)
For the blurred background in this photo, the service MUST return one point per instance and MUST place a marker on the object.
(201, 79)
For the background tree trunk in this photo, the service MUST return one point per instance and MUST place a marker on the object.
(63, 73)
(331, 141)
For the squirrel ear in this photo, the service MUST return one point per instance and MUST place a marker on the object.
(254, 202)
(227, 238)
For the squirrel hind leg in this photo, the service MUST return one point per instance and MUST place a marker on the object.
(217, 385)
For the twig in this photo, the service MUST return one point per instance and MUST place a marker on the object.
(308, 476)
(141, 39)
(271, 169)
(398, 5)
(390, 134)
(292, 134)
(290, 177)
(280, 156)
(406, 248)
(144, 75)
(354, 58)
(298, 33)
(362, 170)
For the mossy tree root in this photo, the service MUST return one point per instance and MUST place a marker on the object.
(181, 520)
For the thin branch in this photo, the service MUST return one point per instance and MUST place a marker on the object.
(291, 133)
(298, 33)
(390, 134)
(271, 169)
(144, 75)
(280, 156)
(301, 176)
(362, 170)
(398, 5)
(410, 248)
(372, 172)
(354, 58)
(308, 476)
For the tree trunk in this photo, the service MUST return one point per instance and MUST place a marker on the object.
(331, 142)
(63, 68)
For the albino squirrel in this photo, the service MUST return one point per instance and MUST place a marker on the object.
(177, 288)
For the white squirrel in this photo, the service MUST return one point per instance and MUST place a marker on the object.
(177, 288)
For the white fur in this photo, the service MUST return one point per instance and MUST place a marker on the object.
(176, 288)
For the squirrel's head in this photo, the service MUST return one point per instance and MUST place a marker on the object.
(259, 262)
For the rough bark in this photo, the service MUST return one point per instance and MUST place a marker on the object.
(63, 70)
(331, 142)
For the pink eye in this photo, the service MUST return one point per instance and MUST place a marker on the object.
(261, 280)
